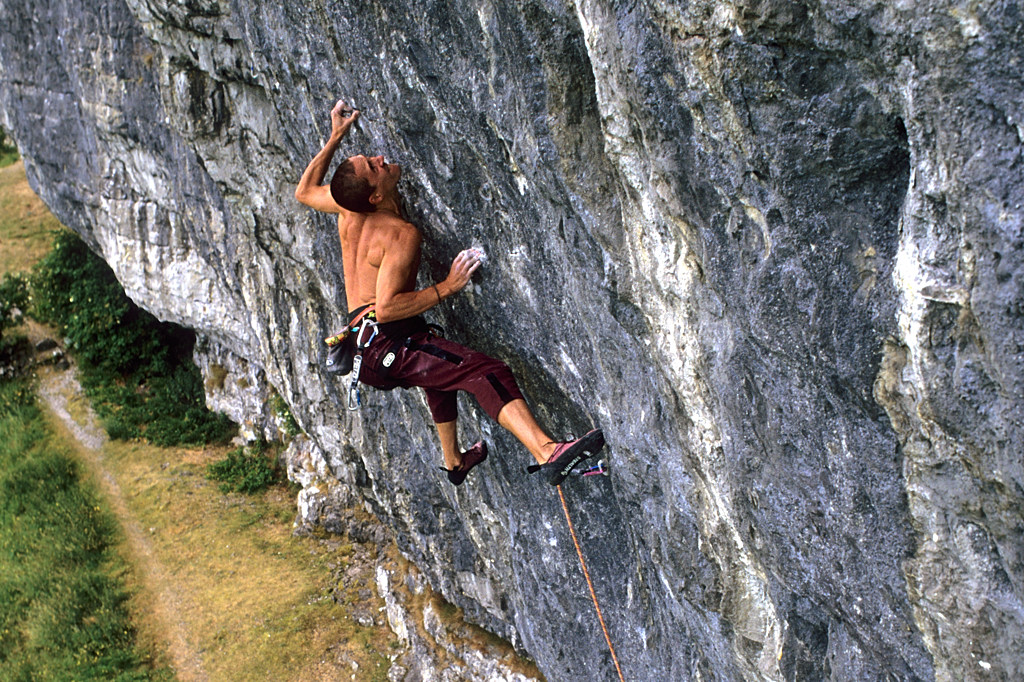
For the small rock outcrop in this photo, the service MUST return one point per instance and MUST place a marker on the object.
(774, 248)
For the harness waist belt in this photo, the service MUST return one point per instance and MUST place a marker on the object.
(406, 327)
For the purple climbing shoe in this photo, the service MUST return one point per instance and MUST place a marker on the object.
(470, 458)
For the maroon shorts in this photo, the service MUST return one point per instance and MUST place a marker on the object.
(441, 368)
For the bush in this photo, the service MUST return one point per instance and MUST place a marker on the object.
(137, 370)
(288, 424)
(76, 290)
(13, 298)
(166, 410)
(13, 295)
(244, 470)
(8, 152)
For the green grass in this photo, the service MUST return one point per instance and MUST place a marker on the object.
(63, 605)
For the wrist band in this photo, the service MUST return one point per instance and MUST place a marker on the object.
(437, 292)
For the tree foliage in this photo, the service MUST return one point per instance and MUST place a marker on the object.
(138, 370)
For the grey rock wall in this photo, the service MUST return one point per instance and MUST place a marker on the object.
(773, 248)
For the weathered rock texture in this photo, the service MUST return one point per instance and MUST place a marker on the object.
(773, 248)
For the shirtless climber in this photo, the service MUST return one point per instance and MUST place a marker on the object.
(381, 256)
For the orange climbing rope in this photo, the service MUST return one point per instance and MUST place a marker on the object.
(586, 574)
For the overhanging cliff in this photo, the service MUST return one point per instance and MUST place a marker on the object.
(773, 248)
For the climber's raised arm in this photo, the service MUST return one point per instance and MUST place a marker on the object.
(310, 190)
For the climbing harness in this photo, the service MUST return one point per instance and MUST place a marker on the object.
(340, 347)
(346, 347)
(586, 574)
(361, 342)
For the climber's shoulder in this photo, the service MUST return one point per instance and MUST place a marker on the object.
(392, 228)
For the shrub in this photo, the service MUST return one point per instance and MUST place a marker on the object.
(8, 152)
(288, 424)
(167, 410)
(244, 470)
(13, 297)
(137, 370)
(76, 290)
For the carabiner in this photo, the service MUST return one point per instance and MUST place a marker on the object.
(367, 322)
(357, 361)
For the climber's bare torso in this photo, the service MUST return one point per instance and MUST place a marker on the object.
(380, 250)
(367, 240)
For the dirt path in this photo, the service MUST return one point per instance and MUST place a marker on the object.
(60, 391)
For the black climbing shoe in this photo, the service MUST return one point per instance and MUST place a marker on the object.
(470, 458)
(567, 455)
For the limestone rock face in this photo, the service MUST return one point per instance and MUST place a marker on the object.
(773, 248)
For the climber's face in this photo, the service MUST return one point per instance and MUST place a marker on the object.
(382, 176)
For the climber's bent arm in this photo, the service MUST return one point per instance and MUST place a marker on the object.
(310, 191)
(397, 275)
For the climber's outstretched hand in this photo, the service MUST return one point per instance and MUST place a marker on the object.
(342, 117)
(463, 267)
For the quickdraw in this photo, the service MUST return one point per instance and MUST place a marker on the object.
(599, 469)
(354, 399)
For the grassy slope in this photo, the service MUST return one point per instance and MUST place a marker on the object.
(63, 605)
(260, 602)
(25, 222)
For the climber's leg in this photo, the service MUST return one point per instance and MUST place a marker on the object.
(448, 434)
(517, 418)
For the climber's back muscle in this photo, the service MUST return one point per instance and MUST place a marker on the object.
(370, 240)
